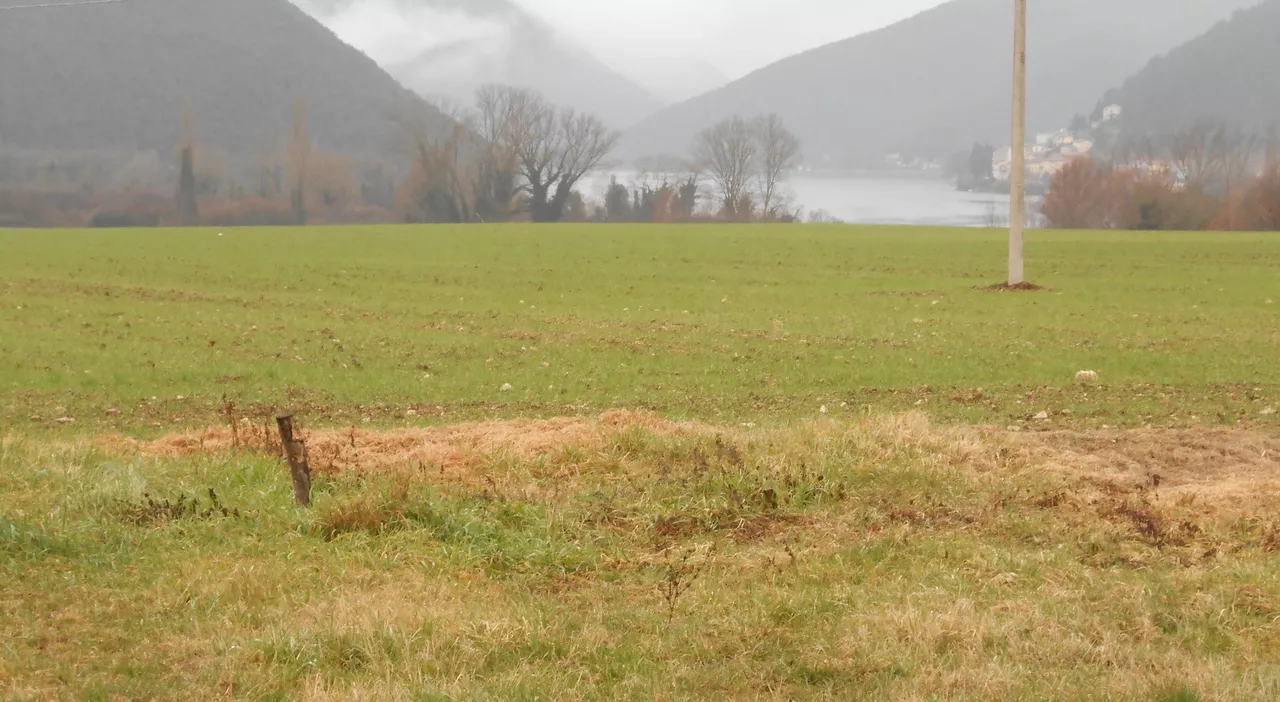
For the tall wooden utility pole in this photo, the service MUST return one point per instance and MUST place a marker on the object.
(1018, 147)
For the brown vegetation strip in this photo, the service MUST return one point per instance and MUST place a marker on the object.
(454, 449)
(1228, 468)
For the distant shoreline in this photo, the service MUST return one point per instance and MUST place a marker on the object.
(869, 173)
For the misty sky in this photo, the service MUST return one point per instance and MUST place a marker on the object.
(736, 36)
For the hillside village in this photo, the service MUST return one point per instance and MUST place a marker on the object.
(1052, 151)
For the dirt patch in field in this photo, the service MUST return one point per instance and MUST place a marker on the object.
(1224, 467)
(1232, 470)
(452, 450)
(1018, 287)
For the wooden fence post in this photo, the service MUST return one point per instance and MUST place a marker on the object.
(296, 452)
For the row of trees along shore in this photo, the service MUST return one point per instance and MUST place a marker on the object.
(515, 156)
(1206, 178)
(511, 156)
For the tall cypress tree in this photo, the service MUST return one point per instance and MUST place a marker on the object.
(187, 211)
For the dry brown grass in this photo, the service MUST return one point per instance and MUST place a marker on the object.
(886, 555)
(1192, 493)
(453, 452)
(1220, 469)
(1227, 470)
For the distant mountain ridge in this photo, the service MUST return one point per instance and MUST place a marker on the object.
(1228, 74)
(119, 76)
(452, 47)
(937, 82)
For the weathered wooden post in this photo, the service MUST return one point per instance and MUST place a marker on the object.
(1018, 153)
(296, 452)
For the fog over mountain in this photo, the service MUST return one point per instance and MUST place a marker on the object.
(1225, 75)
(451, 47)
(939, 81)
(676, 78)
(671, 49)
(118, 76)
(735, 36)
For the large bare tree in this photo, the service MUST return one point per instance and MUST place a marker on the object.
(441, 184)
(458, 174)
(550, 148)
(779, 155)
(728, 153)
(748, 162)
(1213, 157)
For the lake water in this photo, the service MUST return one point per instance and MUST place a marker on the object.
(881, 198)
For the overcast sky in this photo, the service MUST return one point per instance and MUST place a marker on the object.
(736, 36)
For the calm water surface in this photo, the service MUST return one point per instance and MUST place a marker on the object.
(881, 198)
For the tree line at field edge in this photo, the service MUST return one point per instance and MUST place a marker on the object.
(513, 156)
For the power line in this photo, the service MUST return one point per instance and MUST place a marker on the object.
(75, 3)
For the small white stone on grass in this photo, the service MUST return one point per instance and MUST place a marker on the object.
(1087, 376)
(506, 387)
(823, 409)
(65, 420)
(1042, 417)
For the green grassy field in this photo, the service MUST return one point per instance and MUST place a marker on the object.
(657, 507)
(718, 323)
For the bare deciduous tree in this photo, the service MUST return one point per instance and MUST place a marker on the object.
(551, 149)
(331, 180)
(728, 153)
(1237, 153)
(779, 154)
(212, 171)
(457, 175)
(747, 163)
(1213, 157)
(441, 184)
(682, 176)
